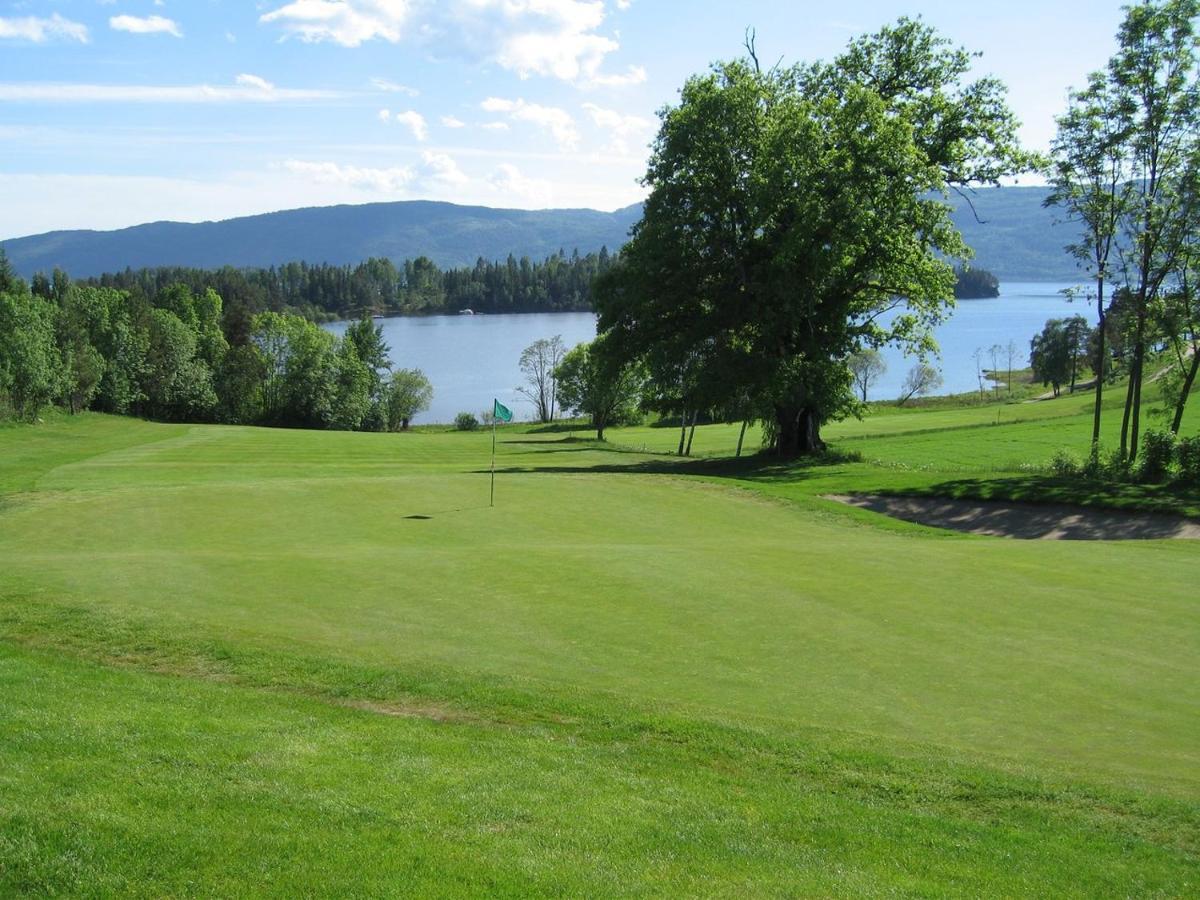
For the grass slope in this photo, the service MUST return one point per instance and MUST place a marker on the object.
(619, 680)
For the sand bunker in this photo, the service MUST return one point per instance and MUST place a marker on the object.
(1028, 521)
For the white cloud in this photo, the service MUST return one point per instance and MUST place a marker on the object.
(346, 22)
(624, 4)
(415, 122)
(549, 38)
(616, 122)
(436, 173)
(549, 118)
(515, 189)
(145, 25)
(633, 75)
(254, 81)
(384, 181)
(441, 168)
(384, 115)
(453, 122)
(495, 126)
(32, 28)
(620, 127)
(558, 39)
(248, 89)
(391, 87)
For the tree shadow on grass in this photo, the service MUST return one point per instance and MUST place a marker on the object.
(1029, 521)
(1045, 489)
(758, 467)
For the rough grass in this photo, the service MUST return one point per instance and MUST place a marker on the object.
(239, 661)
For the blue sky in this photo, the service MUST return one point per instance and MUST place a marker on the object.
(115, 112)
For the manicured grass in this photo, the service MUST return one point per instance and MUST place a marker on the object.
(620, 680)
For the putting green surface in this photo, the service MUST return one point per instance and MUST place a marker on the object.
(155, 577)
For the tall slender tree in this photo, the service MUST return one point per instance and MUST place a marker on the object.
(1154, 85)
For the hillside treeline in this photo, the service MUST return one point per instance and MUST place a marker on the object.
(324, 292)
(183, 355)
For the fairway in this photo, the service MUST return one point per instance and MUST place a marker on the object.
(730, 667)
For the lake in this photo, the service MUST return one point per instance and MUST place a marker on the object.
(471, 359)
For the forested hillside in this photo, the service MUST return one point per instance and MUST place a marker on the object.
(447, 234)
(1010, 231)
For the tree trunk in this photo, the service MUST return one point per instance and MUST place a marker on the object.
(1188, 381)
(1126, 414)
(1103, 360)
(741, 437)
(682, 432)
(1137, 396)
(691, 434)
(798, 432)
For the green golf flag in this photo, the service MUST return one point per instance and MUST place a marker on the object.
(501, 412)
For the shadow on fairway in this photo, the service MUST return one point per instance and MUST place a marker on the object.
(426, 517)
(747, 468)
(1039, 489)
(1029, 521)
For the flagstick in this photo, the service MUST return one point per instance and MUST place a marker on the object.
(492, 501)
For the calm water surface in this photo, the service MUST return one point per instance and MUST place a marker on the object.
(1017, 314)
(471, 359)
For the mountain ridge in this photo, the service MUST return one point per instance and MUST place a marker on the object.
(1017, 238)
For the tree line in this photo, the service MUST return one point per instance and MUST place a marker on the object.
(183, 356)
(323, 292)
(1126, 167)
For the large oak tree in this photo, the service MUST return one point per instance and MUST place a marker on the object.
(798, 214)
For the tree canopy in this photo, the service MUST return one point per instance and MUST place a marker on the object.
(797, 215)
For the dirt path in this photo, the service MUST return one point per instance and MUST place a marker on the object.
(1029, 521)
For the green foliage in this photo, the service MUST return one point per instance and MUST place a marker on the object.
(30, 373)
(466, 421)
(558, 283)
(372, 350)
(1154, 462)
(407, 394)
(302, 367)
(178, 384)
(1187, 459)
(355, 388)
(239, 383)
(594, 384)
(1064, 464)
(789, 209)
(1057, 353)
(169, 358)
(973, 284)
(10, 282)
